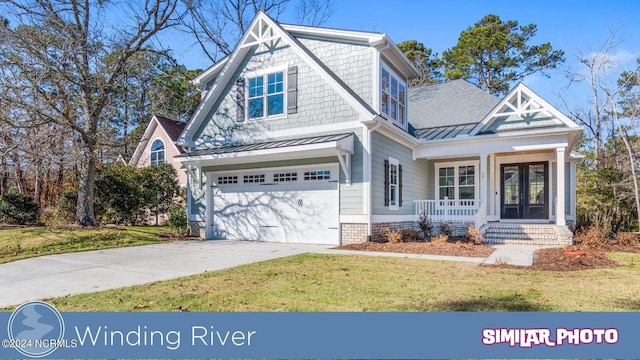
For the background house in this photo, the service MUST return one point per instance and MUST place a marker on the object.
(158, 146)
(309, 134)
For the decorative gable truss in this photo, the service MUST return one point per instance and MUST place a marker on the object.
(266, 32)
(522, 109)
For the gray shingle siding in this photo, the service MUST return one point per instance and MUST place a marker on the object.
(318, 104)
(351, 63)
(414, 174)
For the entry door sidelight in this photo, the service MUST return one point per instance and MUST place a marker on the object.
(525, 191)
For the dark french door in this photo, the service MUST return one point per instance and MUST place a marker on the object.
(525, 191)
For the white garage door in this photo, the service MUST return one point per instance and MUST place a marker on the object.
(298, 205)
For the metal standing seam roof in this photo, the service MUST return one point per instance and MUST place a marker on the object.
(227, 149)
(444, 132)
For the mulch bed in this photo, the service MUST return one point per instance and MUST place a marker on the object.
(451, 248)
(576, 257)
(551, 259)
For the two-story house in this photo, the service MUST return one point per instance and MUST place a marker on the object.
(309, 134)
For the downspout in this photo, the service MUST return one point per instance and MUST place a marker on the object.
(369, 198)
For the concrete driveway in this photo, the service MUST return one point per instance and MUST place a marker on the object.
(83, 272)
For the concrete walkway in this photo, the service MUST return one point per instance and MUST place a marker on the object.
(91, 271)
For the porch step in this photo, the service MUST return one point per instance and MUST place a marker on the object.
(532, 234)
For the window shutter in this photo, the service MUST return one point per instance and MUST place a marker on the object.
(399, 185)
(240, 106)
(292, 90)
(386, 182)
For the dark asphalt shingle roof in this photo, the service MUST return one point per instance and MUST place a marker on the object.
(172, 127)
(454, 102)
(228, 149)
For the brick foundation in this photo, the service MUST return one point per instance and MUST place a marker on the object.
(197, 228)
(353, 233)
(459, 229)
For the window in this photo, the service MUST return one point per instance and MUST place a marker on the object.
(393, 184)
(248, 179)
(285, 177)
(317, 175)
(393, 97)
(222, 180)
(157, 152)
(457, 181)
(266, 95)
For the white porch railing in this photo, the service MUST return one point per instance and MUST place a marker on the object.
(450, 210)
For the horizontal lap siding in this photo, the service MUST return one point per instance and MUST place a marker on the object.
(414, 175)
(351, 195)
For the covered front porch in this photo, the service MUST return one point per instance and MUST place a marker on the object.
(526, 187)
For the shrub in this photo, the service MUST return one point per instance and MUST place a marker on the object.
(391, 236)
(17, 208)
(178, 222)
(440, 238)
(426, 226)
(67, 205)
(593, 237)
(409, 235)
(627, 239)
(474, 235)
(51, 218)
(446, 229)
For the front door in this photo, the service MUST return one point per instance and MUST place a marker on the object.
(524, 191)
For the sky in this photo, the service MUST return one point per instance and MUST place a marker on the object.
(579, 28)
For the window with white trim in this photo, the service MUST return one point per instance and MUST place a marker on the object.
(265, 95)
(393, 97)
(157, 154)
(393, 184)
(457, 181)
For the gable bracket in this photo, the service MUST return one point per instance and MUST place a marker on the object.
(345, 163)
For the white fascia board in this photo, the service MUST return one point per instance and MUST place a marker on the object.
(358, 37)
(209, 73)
(399, 59)
(493, 144)
(395, 133)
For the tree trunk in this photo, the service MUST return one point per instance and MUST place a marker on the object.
(85, 214)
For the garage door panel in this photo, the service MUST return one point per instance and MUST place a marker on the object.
(302, 211)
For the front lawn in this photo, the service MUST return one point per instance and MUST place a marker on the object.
(314, 282)
(20, 243)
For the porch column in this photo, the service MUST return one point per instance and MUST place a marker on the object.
(560, 220)
(483, 179)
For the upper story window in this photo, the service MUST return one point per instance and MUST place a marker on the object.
(393, 97)
(157, 152)
(266, 95)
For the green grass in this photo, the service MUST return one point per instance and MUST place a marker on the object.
(21, 243)
(313, 282)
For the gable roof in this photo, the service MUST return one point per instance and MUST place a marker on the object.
(172, 128)
(391, 52)
(523, 109)
(262, 30)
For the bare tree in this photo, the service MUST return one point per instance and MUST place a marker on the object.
(217, 26)
(595, 119)
(61, 62)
